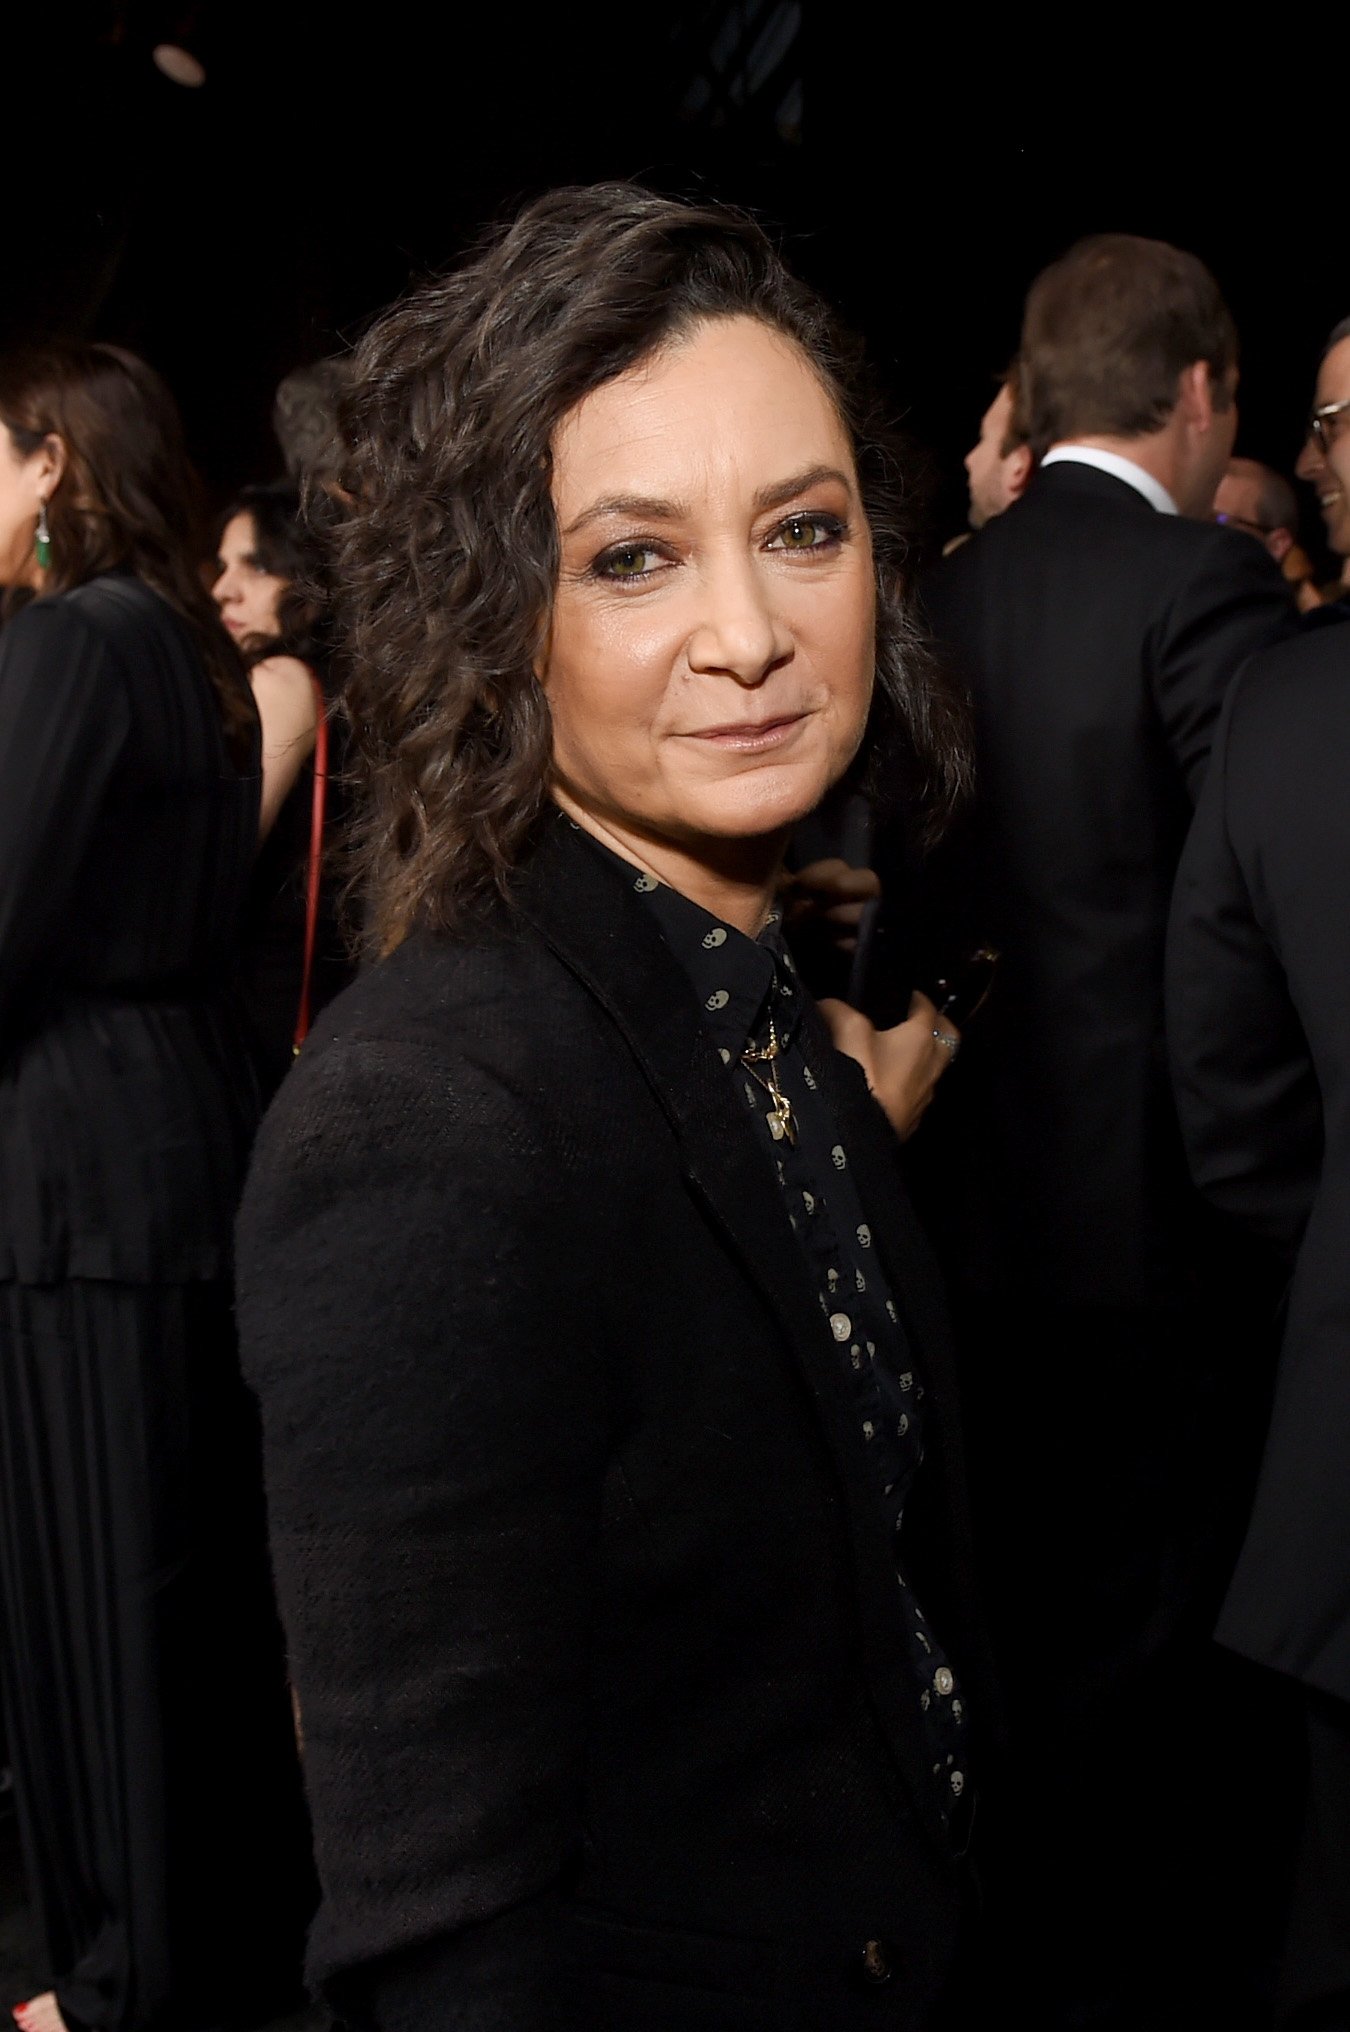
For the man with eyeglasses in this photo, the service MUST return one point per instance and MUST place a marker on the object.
(1324, 461)
(1257, 499)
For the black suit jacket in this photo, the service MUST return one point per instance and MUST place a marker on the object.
(592, 1614)
(126, 837)
(1098, 638)
(1259, 1010)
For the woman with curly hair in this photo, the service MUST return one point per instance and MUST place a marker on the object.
(155, 1777)
(271, 591)
(612, 1461)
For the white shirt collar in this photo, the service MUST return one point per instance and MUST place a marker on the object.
(1134, 476)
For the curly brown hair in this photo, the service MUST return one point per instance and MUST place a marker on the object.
(128, 497)
(448, 557)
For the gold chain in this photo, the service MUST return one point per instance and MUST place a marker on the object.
(780, 1118)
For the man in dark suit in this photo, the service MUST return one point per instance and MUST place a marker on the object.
(1259, 1022)
(1098, 628)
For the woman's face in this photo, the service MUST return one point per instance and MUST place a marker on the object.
(248, 597)
(25, 481)
(710, 658)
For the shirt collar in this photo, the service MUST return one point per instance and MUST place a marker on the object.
(1119, 468)
(740, 982)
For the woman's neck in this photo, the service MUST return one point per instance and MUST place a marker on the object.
(736, 880)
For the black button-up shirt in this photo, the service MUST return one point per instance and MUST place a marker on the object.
(753, 1002)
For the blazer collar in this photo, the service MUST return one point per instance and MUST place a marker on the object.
(610, 941)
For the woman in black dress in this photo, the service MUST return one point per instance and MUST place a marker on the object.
(613, 1472)
(271, 594)
(143, 1675)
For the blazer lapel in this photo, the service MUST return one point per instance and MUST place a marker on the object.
(605, 938)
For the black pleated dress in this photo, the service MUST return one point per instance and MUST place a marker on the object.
(144, 1680)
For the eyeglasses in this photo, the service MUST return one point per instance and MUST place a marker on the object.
(1241, 522)
(1322, 424)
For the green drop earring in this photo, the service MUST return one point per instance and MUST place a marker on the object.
(43, 545)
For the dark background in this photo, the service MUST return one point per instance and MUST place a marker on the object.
(921, 167)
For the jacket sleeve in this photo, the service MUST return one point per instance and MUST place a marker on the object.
(1247, 1096)
(435, 1440)
(64, 720)
(1231, 603)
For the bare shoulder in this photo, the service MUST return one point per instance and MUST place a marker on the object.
(284, 682)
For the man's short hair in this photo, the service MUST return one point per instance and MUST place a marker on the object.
(304, 418)
(1109, 329)
(1334, 337)
(1015, 434)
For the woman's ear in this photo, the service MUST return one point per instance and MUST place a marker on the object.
(49, 464)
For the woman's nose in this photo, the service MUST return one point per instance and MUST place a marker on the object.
(741, 633)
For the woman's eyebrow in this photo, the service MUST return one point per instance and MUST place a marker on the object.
(649, 508)
(801, 483)
(643, 507)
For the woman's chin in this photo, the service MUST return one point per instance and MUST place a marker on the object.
(760, 802)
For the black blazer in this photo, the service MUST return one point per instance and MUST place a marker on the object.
(591, 1609)
(1098, 637)
(126, 836)
(1259, 1012)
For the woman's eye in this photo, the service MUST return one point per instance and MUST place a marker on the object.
(807, 532)
(627, 561)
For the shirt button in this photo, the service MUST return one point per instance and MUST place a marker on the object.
(841, 1326)
(943, 1680)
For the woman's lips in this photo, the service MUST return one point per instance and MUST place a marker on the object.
(748, 737)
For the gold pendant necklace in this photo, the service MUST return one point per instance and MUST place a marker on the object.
(780, 1118)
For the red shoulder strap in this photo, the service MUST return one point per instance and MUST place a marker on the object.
(314, 871)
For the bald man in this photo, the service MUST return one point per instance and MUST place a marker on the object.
(1256, 498)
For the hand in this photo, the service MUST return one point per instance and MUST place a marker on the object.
(827, 899)
(903, 1065)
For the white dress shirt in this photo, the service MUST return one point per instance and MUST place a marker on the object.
(1134, 476)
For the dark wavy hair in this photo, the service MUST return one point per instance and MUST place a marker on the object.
(127, 499)
(286, 545)
(448, 556)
